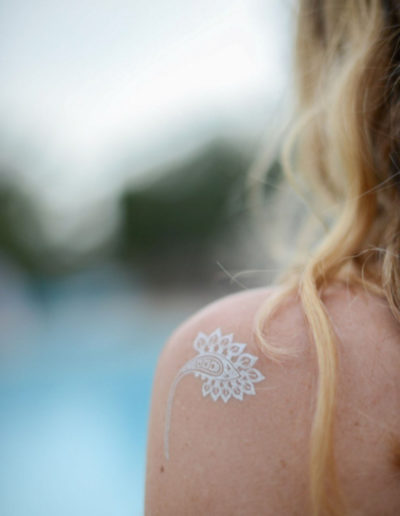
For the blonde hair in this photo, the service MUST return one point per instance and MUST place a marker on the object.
(342, 148)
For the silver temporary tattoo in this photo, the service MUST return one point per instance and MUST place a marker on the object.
(225, 370)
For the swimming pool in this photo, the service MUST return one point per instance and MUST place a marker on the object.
(75, 382)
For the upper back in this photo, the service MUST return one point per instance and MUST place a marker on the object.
(249, 454)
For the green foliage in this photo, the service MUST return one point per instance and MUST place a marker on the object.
(21, 238)
(180, 224)
(169, 228)
(192, 203)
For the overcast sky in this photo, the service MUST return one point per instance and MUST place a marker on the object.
(85, 82)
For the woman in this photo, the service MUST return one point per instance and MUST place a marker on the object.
(286, 400)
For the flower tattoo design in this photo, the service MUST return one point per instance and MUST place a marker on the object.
(225, 370)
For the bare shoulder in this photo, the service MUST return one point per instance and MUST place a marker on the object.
(227, 425)
(368, 340)
(229, 429)
(368, 429)
(235, 314)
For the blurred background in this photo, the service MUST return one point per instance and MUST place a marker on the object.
(127, 131)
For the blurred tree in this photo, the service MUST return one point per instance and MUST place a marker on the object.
(21, 236)
(175, 228)
(170, 227)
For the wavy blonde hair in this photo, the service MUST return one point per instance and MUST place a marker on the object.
(342, 148)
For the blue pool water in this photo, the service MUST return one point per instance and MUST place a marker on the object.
(77, 363)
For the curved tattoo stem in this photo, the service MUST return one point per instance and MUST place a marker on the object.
(226, 371)
(178, 378)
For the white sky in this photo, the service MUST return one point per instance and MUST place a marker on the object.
(85, 84)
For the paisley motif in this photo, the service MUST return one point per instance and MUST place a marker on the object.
(225, 370)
